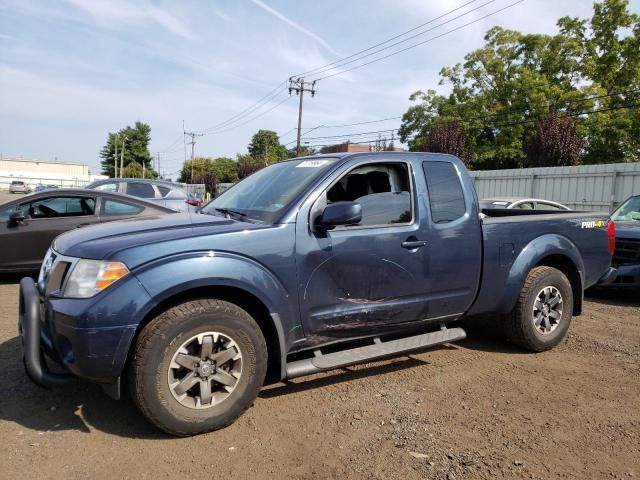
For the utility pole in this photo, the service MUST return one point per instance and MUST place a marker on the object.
(115, 166)
(124, 138)
(300, 86)
(193, 136)
(158, 164)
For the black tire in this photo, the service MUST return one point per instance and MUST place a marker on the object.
(520, 323)
(160, 340)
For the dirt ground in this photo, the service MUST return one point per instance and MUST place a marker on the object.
(477, 409)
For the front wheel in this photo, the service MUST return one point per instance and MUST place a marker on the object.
(198, 366)
(543, 313)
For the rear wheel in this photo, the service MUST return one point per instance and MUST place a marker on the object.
(198, 366)
(543, 313)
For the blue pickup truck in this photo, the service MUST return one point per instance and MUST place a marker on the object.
(626, 258)
(307, 265)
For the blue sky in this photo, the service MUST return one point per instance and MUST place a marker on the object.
(73, 70)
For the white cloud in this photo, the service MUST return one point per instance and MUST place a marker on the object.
(295, 25)
(222, 15)
(116, 13)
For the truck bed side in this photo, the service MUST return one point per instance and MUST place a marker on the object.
(574, 242)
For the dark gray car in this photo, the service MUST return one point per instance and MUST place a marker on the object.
(161, 192)
(29, 224)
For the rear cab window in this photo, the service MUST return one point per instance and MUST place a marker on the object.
(446, 197)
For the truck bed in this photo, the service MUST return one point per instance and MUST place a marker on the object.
(509, 235)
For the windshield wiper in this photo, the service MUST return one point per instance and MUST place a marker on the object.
(231, 213)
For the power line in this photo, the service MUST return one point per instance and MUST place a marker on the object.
(240, 115)
(310, 129)
(251, 119)
(315, 70)
(388, 130)
(498, 125)
(421, 43)
(478, 117)
(342, 63)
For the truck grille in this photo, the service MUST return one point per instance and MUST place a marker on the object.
(53, 272)
(627, 251)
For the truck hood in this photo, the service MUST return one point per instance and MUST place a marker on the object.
(628, 230)
(107, 239)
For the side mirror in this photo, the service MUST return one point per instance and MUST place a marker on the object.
(17, 216)
(339, 213)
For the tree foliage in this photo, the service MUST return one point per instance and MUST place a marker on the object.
(134, 170)
(136, 151)
(265, 147)
(224, 169)
(555, 142)
(502, 89)
(449, 137)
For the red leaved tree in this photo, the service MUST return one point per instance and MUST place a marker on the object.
(555, 142)
(450, 137)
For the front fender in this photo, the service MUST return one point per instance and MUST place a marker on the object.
(166, 277)
(531, 255)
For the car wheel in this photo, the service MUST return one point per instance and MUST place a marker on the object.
(543, 312)
(198, 366)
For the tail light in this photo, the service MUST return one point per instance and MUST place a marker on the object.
(193, 202)
(611, 235)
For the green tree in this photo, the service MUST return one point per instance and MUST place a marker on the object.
(502, 89)
(304, 152)
(247, 165)
(224, 169)
(136, 150)
(265, 147)
(610, 47)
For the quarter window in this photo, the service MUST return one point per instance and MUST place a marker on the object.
(547, 206)
(382, 189)
(446, 197)
(107, 187)
(164, 191)
(141, 190)
(113, 207)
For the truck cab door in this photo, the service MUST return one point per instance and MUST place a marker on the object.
(357, 280)
(455, 238)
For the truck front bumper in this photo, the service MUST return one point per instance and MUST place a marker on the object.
(628, 276)
(35, 343)
(84, 338)
(608, 277)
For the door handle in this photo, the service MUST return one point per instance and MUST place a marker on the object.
(414, 244)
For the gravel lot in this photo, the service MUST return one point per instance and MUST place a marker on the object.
(477, 409)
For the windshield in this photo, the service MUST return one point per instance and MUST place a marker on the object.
(264, 195)
(628, 211)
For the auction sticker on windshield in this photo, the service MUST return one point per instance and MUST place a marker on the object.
(312, 164)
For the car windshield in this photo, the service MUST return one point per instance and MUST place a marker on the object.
(628, 211)
(264, 195)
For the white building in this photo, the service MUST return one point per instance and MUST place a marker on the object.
(62, 174)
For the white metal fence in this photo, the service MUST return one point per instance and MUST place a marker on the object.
(584, 187)
(5, 181)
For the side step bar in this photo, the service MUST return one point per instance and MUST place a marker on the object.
(378, 350)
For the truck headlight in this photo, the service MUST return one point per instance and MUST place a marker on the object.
(89, 277)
